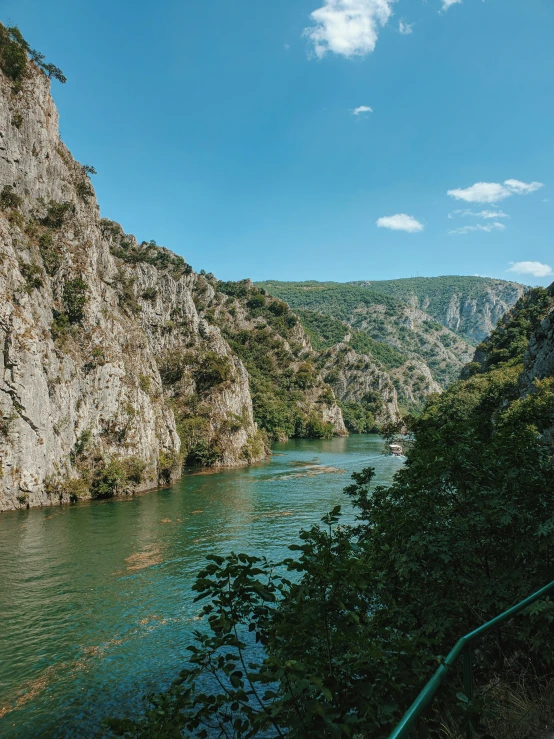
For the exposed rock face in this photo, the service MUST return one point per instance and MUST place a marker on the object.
(539, 361)
(469, 306)
(476, 317)
(105, 355)
(355, 377)
(427, 355)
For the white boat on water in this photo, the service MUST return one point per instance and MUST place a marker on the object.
(395, 450)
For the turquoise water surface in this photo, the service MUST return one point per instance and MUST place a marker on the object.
(96, 606)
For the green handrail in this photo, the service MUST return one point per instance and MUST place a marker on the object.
(463, 645)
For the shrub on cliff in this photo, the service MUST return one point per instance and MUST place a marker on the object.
(74, 299)
(214, 369)
(15, 53)
(9, 198)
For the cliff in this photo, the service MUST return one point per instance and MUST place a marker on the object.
(113, 372)
(468, 306)
(418, 354)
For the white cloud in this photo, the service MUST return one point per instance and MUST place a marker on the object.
(523, 188)
(348, 27)
(535, 269)
(487, 227)
(486, 214)
(362, 109)
(447, 3)
(400, 222)
(492, 192)
(481, 192)
(405, 28)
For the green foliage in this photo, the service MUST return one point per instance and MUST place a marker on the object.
(119, 475)
(84, 189)
(213, 369)
(82, 444)
(315, 428)
(133, 467)
(436, 292)
(148, 252)
(32, 274)
(9, 199)
(51, 257)
(149, 294)
(338, 639)
(173, 365)
(73, 488)
(126, 297)
(256, 447)
(14, 57)
(17, 120)
(276, 387)
(168, 464)
(60, 325)
(276, 313)
(202, 453)
(374, 321)
(74, 299)
(331, 298)
(384, 354)
(6, 421)
(109, 480)
(358, 419)
(57, 214)
(509, 341)
(306, 376)
(145, 383)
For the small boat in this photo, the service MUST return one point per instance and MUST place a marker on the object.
(396, 450)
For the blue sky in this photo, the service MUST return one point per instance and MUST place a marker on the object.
(227, 130)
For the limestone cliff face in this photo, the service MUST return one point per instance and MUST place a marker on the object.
(68, 379)
(471, 307)
(356, 377)
(476, 317)
(114, 369)
(539, 361)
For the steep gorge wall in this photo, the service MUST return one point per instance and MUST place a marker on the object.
(105, 355)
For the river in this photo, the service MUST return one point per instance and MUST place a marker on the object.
(96, 606)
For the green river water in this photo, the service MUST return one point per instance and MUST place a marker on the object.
(96, 606)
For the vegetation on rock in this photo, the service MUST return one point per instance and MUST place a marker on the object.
(15, 54)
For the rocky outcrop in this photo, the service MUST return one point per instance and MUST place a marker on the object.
(112, 372)
(475, 317)
(355, 378)
(539, 361)
(418, 353)
(469, 306)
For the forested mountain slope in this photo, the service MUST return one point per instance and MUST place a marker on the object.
(420, 355)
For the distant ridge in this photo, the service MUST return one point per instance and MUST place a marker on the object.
(423, 329)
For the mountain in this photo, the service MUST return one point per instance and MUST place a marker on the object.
(119, 362)
(421, 351)
(469, 306)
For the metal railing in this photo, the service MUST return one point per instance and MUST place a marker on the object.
(463, 646)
